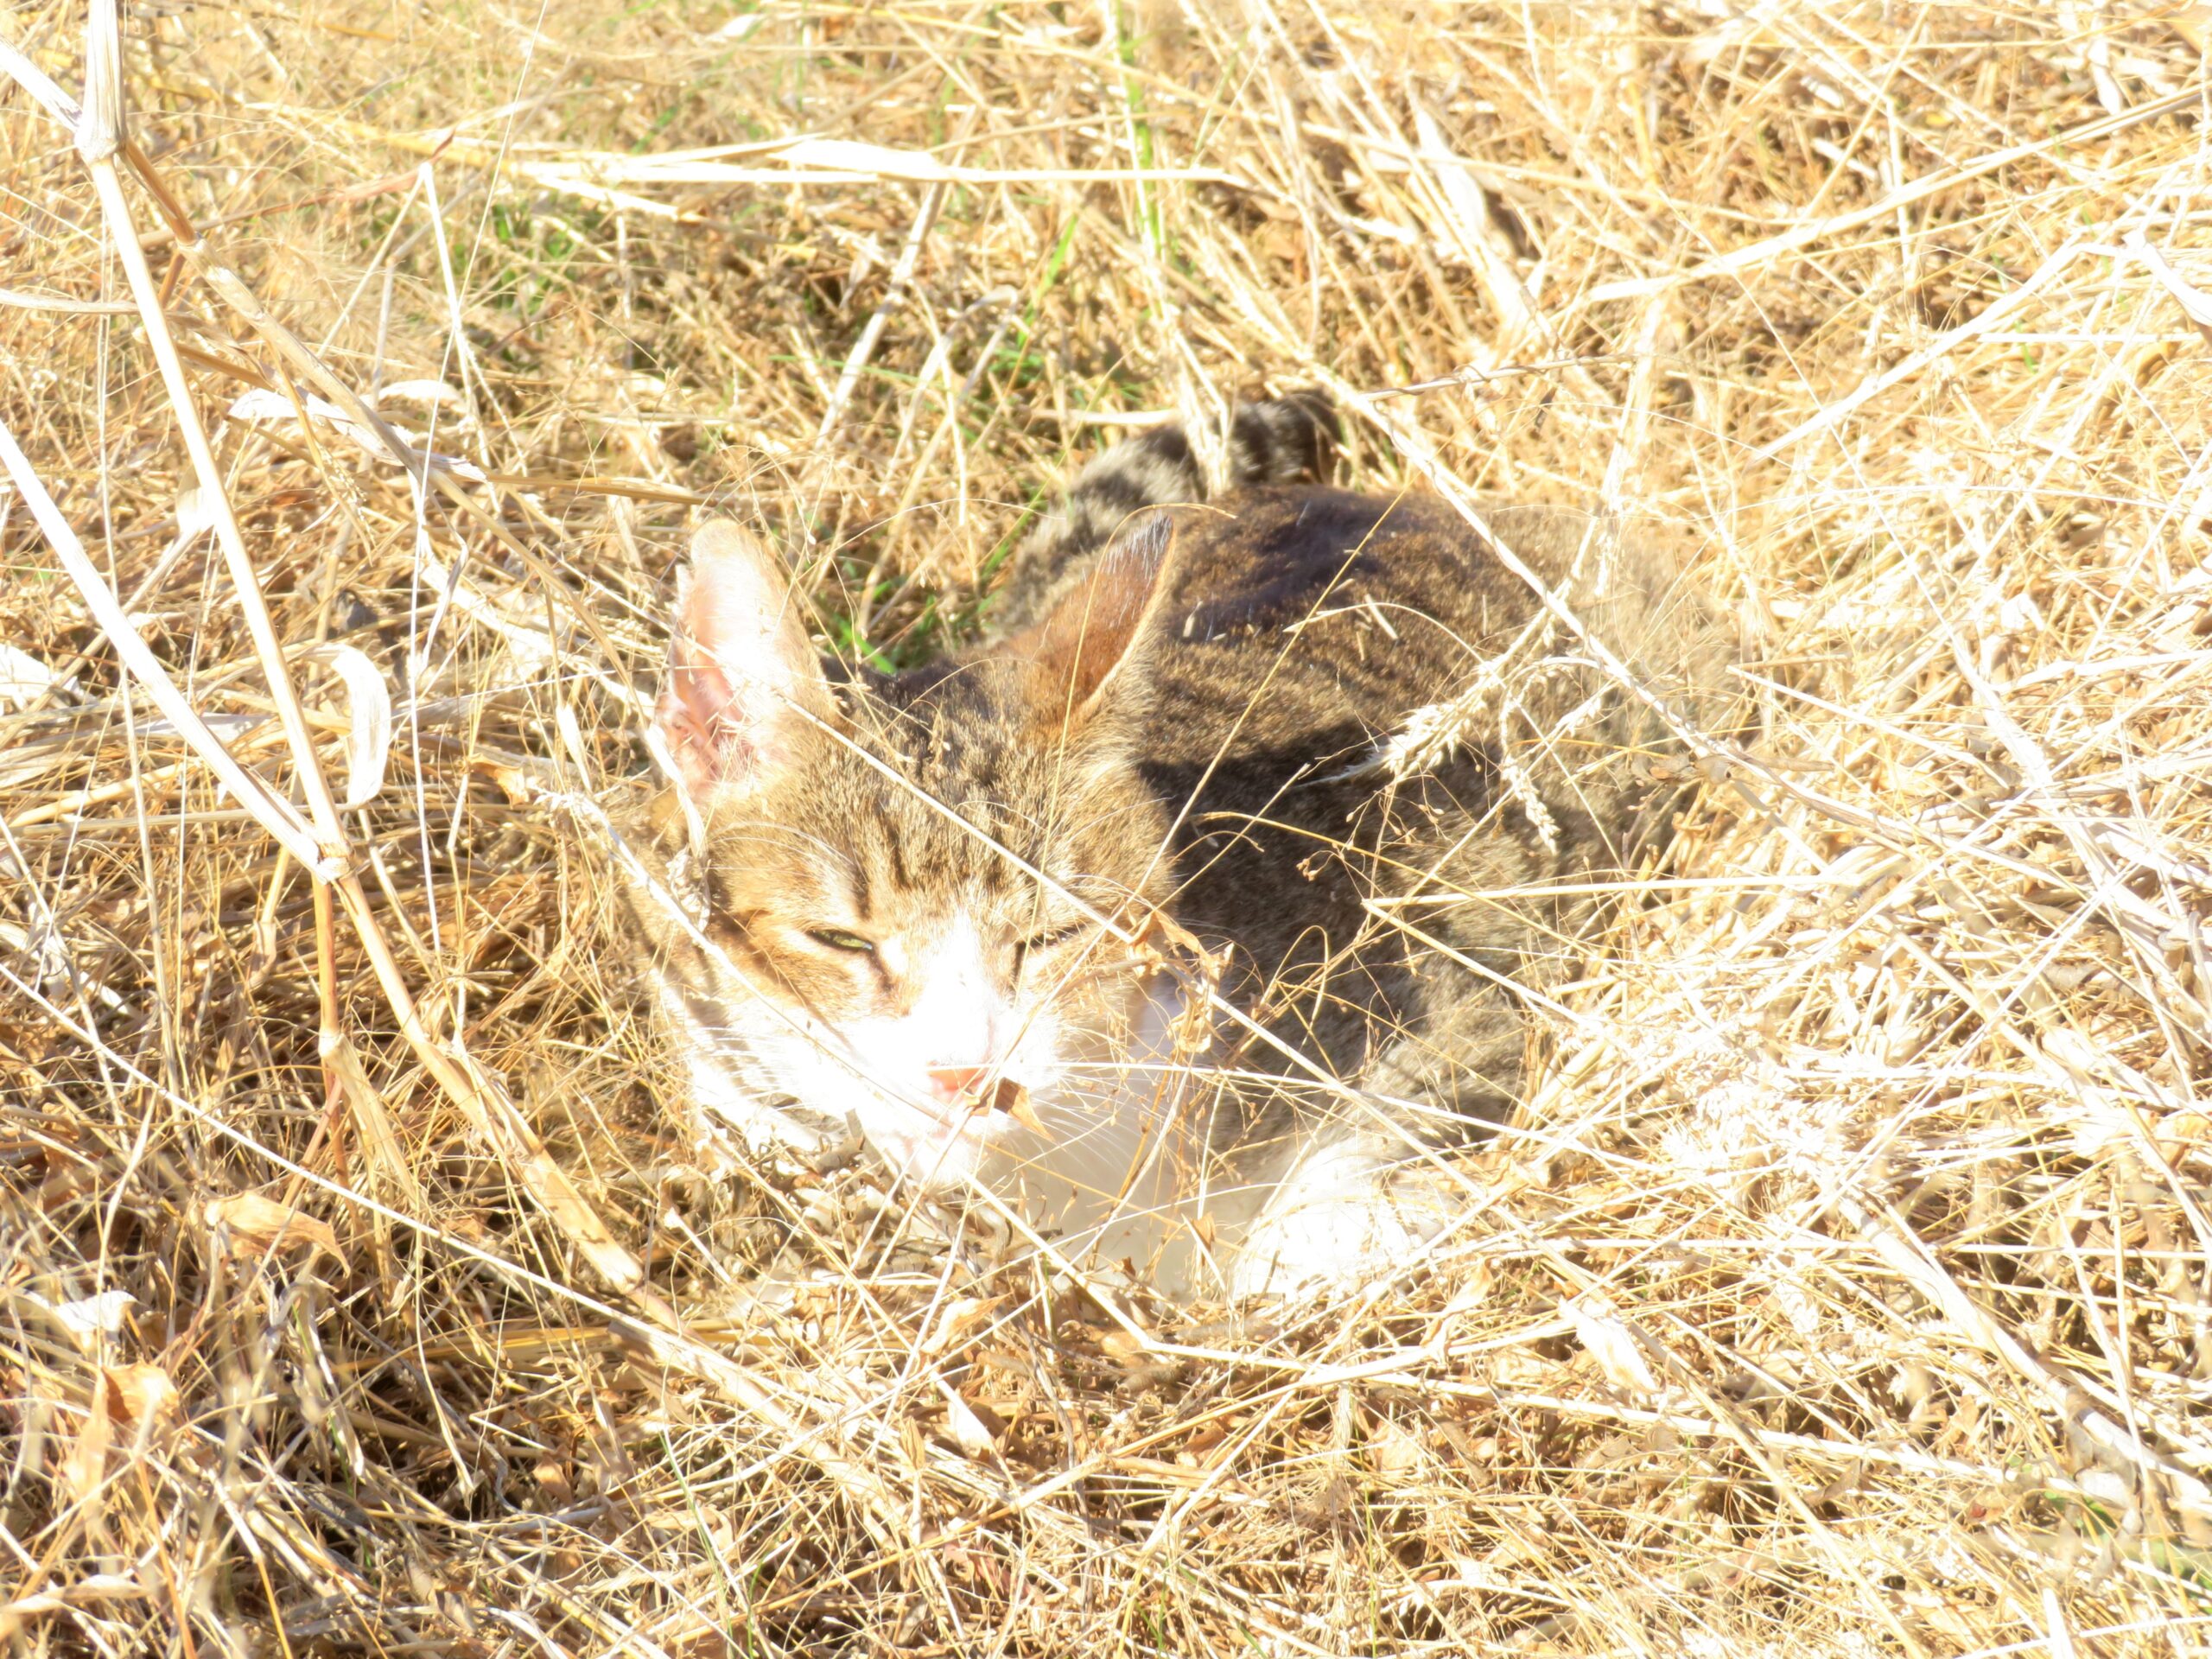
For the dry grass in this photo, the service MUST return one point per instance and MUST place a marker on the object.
(1850, 1287)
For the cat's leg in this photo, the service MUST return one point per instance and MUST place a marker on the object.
(1351, 1211)
(1361, 1202)
(1282, 440)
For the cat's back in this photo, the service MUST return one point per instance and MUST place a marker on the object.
(1304, 620)
(1266, 558)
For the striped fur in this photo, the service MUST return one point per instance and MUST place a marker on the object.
(1290, 440)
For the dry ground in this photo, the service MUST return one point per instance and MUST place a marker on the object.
(1846, 1285)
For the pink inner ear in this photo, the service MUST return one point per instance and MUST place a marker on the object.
(693, 716)
(740, 664)
(1097, 628)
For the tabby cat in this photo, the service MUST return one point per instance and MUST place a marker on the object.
(1325, 744)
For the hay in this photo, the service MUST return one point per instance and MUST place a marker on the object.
(1844, 1287)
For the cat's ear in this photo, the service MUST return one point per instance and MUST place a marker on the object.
(742, 675)
(1094, 637)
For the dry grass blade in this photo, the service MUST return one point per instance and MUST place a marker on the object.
(276, 814)
(1845, 1284)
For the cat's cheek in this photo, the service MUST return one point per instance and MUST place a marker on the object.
(921, 1150)
(1038, 1066)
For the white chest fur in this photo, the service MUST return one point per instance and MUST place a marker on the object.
(1123, 1171)
(1324, 1209)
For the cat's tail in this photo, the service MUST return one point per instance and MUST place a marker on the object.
(1286, 440)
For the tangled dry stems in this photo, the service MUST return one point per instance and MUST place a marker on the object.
(1843, 1287)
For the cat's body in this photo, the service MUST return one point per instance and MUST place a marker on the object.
(1329, 736)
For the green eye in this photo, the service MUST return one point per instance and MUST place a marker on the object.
(838, 940)
(1050, 937)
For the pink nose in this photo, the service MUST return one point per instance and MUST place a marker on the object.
(960, 1082)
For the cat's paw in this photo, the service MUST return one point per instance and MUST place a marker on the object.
(1347, 1216)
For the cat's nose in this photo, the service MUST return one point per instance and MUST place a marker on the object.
(962, 1084)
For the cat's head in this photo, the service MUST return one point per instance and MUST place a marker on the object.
(894, 868)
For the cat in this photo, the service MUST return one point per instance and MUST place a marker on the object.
(1325, 743)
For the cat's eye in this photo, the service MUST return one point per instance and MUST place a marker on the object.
(838, 938)
(1048, 939)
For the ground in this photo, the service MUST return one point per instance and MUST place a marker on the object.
(1843, 1287)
